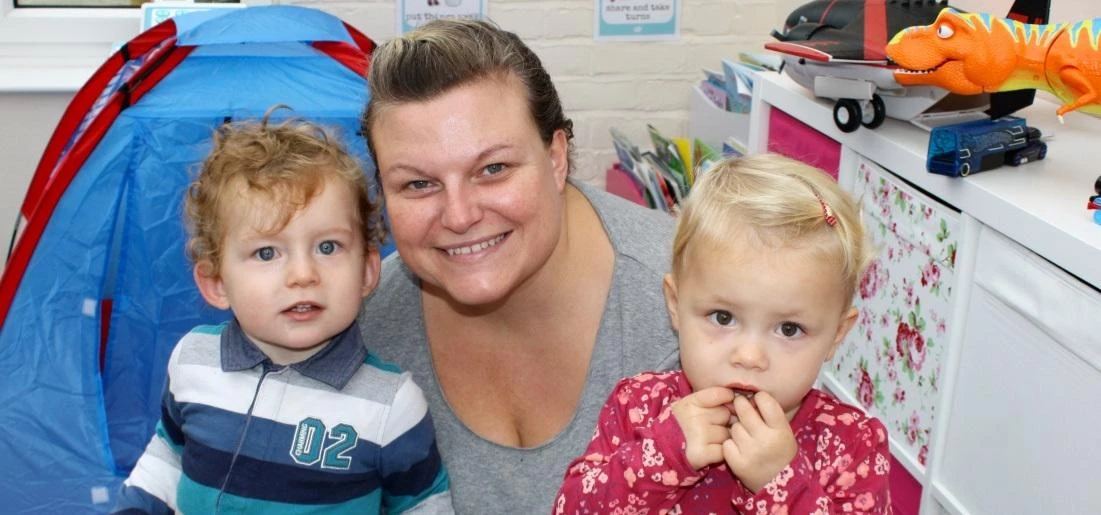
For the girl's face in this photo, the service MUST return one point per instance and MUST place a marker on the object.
(474, 196)
(755, 318)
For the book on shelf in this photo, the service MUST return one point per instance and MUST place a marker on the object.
(764, 60)
(667, 181)
(739, 85)
(703, 157)
(733, 148)
(662, 177)
(669, 156)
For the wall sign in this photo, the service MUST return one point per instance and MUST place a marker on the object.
(637, 19)
(413, 13)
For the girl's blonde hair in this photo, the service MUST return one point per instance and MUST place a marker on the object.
(781, 203)
(286, 163)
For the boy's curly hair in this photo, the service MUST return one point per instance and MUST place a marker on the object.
(286, 162)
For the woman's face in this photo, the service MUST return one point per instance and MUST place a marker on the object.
(473, 194)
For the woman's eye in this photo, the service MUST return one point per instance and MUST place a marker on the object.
(723, 318)
(494, 169)
(790, 329)
(328, 247)
(417, 185)
(264, 253)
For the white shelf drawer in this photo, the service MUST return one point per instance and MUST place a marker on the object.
(1021, 435)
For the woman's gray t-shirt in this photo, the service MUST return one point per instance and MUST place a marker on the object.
(634, 336)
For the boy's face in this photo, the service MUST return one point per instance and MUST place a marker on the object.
(293, 290)
(753, 318)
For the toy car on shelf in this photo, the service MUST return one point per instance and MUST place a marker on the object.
(962, 149)
(1034, 149)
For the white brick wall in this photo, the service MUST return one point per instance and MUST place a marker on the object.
(604, 83)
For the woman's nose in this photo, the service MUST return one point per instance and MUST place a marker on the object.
(462, 210)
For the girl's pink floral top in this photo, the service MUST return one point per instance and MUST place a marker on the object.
(636, 463)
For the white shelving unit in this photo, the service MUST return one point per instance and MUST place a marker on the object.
(713, 125)
(1017, 369)
(1040, 205)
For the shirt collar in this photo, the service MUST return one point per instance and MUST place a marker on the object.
(334, 365)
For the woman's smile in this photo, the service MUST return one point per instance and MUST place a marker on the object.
(477, 247)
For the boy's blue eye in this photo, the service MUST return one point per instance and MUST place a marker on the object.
(494, 169)
(721, 317)
(417, 185)
(265, 254)
(327, 247)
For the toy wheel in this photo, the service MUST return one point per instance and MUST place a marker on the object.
(1016, 160)
(846, 114)
(965, 169)
(1043, 154)
(878, 113)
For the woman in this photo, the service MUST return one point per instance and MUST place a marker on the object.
(520, 296)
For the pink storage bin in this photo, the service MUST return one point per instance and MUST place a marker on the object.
(797, 140)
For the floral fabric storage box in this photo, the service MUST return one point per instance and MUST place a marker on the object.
(891, 361)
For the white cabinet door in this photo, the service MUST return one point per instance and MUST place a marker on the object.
(891, 361)
(1022, 429)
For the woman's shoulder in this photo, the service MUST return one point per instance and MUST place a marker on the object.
(636, 232)
(397, 291)
(395, 279)
(620, 211)
(390, 319)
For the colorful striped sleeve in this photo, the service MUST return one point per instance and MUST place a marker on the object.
(151, 487)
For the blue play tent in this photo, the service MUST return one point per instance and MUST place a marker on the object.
(97, 288)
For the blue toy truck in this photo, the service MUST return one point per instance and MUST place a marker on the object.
(965, 148)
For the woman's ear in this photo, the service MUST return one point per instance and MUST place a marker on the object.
(210, 285)
(560, 157)
(669, 288)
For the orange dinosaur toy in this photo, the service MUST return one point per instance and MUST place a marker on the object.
(973, 53)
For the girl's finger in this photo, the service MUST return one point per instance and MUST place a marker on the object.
(771, 411)
(740, 434)
(730, 452)
(747, 414)
(713, 453)
(719, 416)
(717, 434)
(712, 397)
